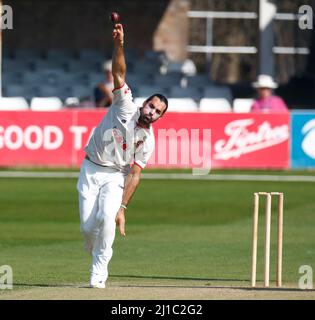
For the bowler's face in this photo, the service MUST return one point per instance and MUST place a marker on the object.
(152, 110)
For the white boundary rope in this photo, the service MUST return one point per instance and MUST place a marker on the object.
(169, 176)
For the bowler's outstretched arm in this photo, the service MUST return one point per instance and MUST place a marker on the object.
(119, 63)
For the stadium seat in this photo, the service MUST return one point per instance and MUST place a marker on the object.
(176, 105)
(189, 92)
(72, 78)
(153, 55)
(182, 105)
(11, 78)
(26, 91)
(199, 80)
(52, 91)
(146, 90)
(214, 91)
(11, 65)
(131, 55)
(46, 104)
(242, 105)
(53, 76)
(92, 55)
(26, 54)
(47, 77)
(59, 55)
(33, 78)
(6, 53)
(82, 66)
(94, 78)
(80, 91)
(168, 80)
(214, 105)
(136, 80)
(48, 65)
(15, 90)
(13, 103)
(146, 67)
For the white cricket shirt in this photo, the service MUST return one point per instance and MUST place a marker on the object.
(118, 141)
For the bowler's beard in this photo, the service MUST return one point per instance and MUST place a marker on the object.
(144, 120)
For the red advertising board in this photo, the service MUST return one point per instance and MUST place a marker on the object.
(249, 140)
(182, 139)
(35, 138)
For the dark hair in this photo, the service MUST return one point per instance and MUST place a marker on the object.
(161, 97)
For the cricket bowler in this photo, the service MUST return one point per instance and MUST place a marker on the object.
(118, 150)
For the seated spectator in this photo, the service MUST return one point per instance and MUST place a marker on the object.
(266, 101)
(103, 95)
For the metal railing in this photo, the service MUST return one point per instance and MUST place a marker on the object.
(209, 48)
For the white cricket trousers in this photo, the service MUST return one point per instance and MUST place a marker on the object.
(100, 194)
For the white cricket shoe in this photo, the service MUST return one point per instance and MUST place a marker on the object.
(97, 282)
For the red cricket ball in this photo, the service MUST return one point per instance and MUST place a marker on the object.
(114, 17)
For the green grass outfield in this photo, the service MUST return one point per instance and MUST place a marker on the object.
(181, 235)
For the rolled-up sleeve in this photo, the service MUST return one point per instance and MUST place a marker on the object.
(142, 156)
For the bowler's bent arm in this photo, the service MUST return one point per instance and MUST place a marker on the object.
(131, 184)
